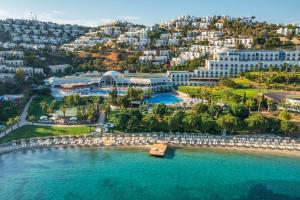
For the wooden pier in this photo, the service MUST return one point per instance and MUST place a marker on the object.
(158, 150)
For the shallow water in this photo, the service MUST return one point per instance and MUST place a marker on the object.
(123, 174)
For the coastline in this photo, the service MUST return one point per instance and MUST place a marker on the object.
(172, 147)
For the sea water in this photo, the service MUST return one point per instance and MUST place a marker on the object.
(84, 173)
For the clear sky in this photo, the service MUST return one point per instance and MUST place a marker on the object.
(148, 12)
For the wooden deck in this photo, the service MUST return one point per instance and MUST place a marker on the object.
(107, 141)
(158, 150)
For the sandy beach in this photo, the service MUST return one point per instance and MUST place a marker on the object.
(146, 148)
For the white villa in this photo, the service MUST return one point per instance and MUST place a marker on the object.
(58, 68)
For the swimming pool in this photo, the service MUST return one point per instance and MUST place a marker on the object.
(57, 93)
(165, 98)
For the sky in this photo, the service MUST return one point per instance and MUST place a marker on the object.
(148, 12)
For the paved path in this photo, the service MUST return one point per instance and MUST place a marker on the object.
(102, 117)
(22, 121)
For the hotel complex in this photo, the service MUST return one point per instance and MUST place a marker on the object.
(229, 63)
(224, 63)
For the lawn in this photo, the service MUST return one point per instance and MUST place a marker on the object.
(243, 81)
(218, 91)
(30, 131)
(35, 108)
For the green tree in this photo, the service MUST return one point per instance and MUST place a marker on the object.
(175, 121)
(133, 124)
(105, 108)
(10, 122)
(20, 74)
(269, 104)
(50, 110)
(190, 122)
(32, 118)
(288, 127)
(199, 108)
(259, 99)
(239, 111)
(207, 123)
(63, 109)
(91, 114)
(150, 122)
(17, 120)
(257, 122)
(284, 115)
(227, 122)
(80, 112)
(44, 107)
(159, 110)
(121, 119)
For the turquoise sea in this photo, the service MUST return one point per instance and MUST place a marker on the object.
(83, 173)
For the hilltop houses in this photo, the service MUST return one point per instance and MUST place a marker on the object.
(33, 34)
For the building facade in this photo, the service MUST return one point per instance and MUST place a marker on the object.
(111, 79)
(152, 82)
(229, 63)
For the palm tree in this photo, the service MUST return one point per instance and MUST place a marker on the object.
(50, 110)
(10, 123)
(97, 101)
(90, 118)
(17, 120)
(249, 104)
(43, 106)
(260, 75)
(259, 100)
(287, 75)
(269, 103)
(294, 86)
(90, 114)
(270, 70)
(32, 118)
(106, 109)
(148, 95)
(63, 109)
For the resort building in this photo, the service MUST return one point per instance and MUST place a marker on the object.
(101, 84)
(84, 79)
(229, 63)
(153, 82)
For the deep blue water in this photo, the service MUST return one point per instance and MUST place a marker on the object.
(165, 98)
(123, 174)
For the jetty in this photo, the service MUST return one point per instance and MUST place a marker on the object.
(158, 150)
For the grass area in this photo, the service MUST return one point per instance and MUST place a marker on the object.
(30, 131)
(266, 73)
(218, 90)
(35, 108)
(242, 81)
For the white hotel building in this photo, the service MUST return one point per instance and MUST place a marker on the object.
(111, 79)
(229, 63)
